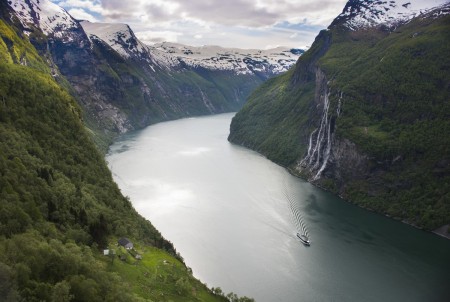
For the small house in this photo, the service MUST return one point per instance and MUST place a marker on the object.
(126, 243)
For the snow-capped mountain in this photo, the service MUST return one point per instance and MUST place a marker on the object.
(382, 71)
(242, 61)
(57, 23)
(358, 14)
(175, 56)
(124, 84)
(52, 19)
(119, 36)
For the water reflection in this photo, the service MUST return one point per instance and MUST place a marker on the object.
(234, 215)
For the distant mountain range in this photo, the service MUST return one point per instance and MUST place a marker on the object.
(61, 214)
(124, 84)
(264, 63)
(365, 112)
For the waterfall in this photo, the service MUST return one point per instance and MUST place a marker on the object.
(314, 145)
(323, 129)
(327, 153)
(338, 110)
(319, 148)
(310, 145)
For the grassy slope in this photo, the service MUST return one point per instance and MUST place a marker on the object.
(158, 275)
(395, 105)
(59, 205)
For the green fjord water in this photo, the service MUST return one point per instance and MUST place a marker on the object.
(233, 215)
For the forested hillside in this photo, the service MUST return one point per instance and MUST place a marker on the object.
(59, 207)
(364, 114)
(122, 84)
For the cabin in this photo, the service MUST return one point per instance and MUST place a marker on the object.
(126, 243)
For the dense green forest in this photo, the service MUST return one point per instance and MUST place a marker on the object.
(394, 90)
(59, 207)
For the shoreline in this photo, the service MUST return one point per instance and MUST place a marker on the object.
(441, 231)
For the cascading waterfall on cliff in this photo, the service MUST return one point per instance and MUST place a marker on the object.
(319, 148)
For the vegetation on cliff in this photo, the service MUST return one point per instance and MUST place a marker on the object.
(395, 110)
(59, 207)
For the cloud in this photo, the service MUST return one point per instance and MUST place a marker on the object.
(262, 38)
(93, 6)
(200, 21)
(231, 12)
(81, 14)
(251, 13)
(151, 37)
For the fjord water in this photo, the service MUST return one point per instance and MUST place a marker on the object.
(233, 215)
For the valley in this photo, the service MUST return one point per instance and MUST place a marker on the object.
(364, 114)
(106, 136)
(235, 220)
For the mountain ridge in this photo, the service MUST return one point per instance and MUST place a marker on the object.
(359, 14)
(359, 116)
(60, 209)
(121, 85)
(174, 55)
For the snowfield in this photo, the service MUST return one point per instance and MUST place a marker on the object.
(371, 13)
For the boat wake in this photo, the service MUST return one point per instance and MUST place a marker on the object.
(296, 215)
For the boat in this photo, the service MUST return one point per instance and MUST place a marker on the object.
(303, 239)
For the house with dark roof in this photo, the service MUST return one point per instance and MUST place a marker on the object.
(126, 243)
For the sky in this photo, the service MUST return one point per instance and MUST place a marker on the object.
(260, 24)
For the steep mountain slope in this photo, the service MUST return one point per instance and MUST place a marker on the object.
(53, 20)
(123, 84)
(59, 207)
(365, 113)
(174, 56)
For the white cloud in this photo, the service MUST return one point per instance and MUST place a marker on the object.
(93, 6)
(262, 38)
(249, 13)
(199, 21)
(151, 37)
(81, 14)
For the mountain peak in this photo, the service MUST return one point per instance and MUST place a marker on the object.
(358, 14)
(241, 61)
(52, 19)
(117, 35)
(172, 55)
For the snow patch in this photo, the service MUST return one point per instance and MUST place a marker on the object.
(49, 17)
(370, 13)
(117, 35)
(242, 61)
(173, 55)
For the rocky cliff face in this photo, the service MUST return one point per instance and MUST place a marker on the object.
(329, 156)
(321, 138)
(123, 84)
(363, 111)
